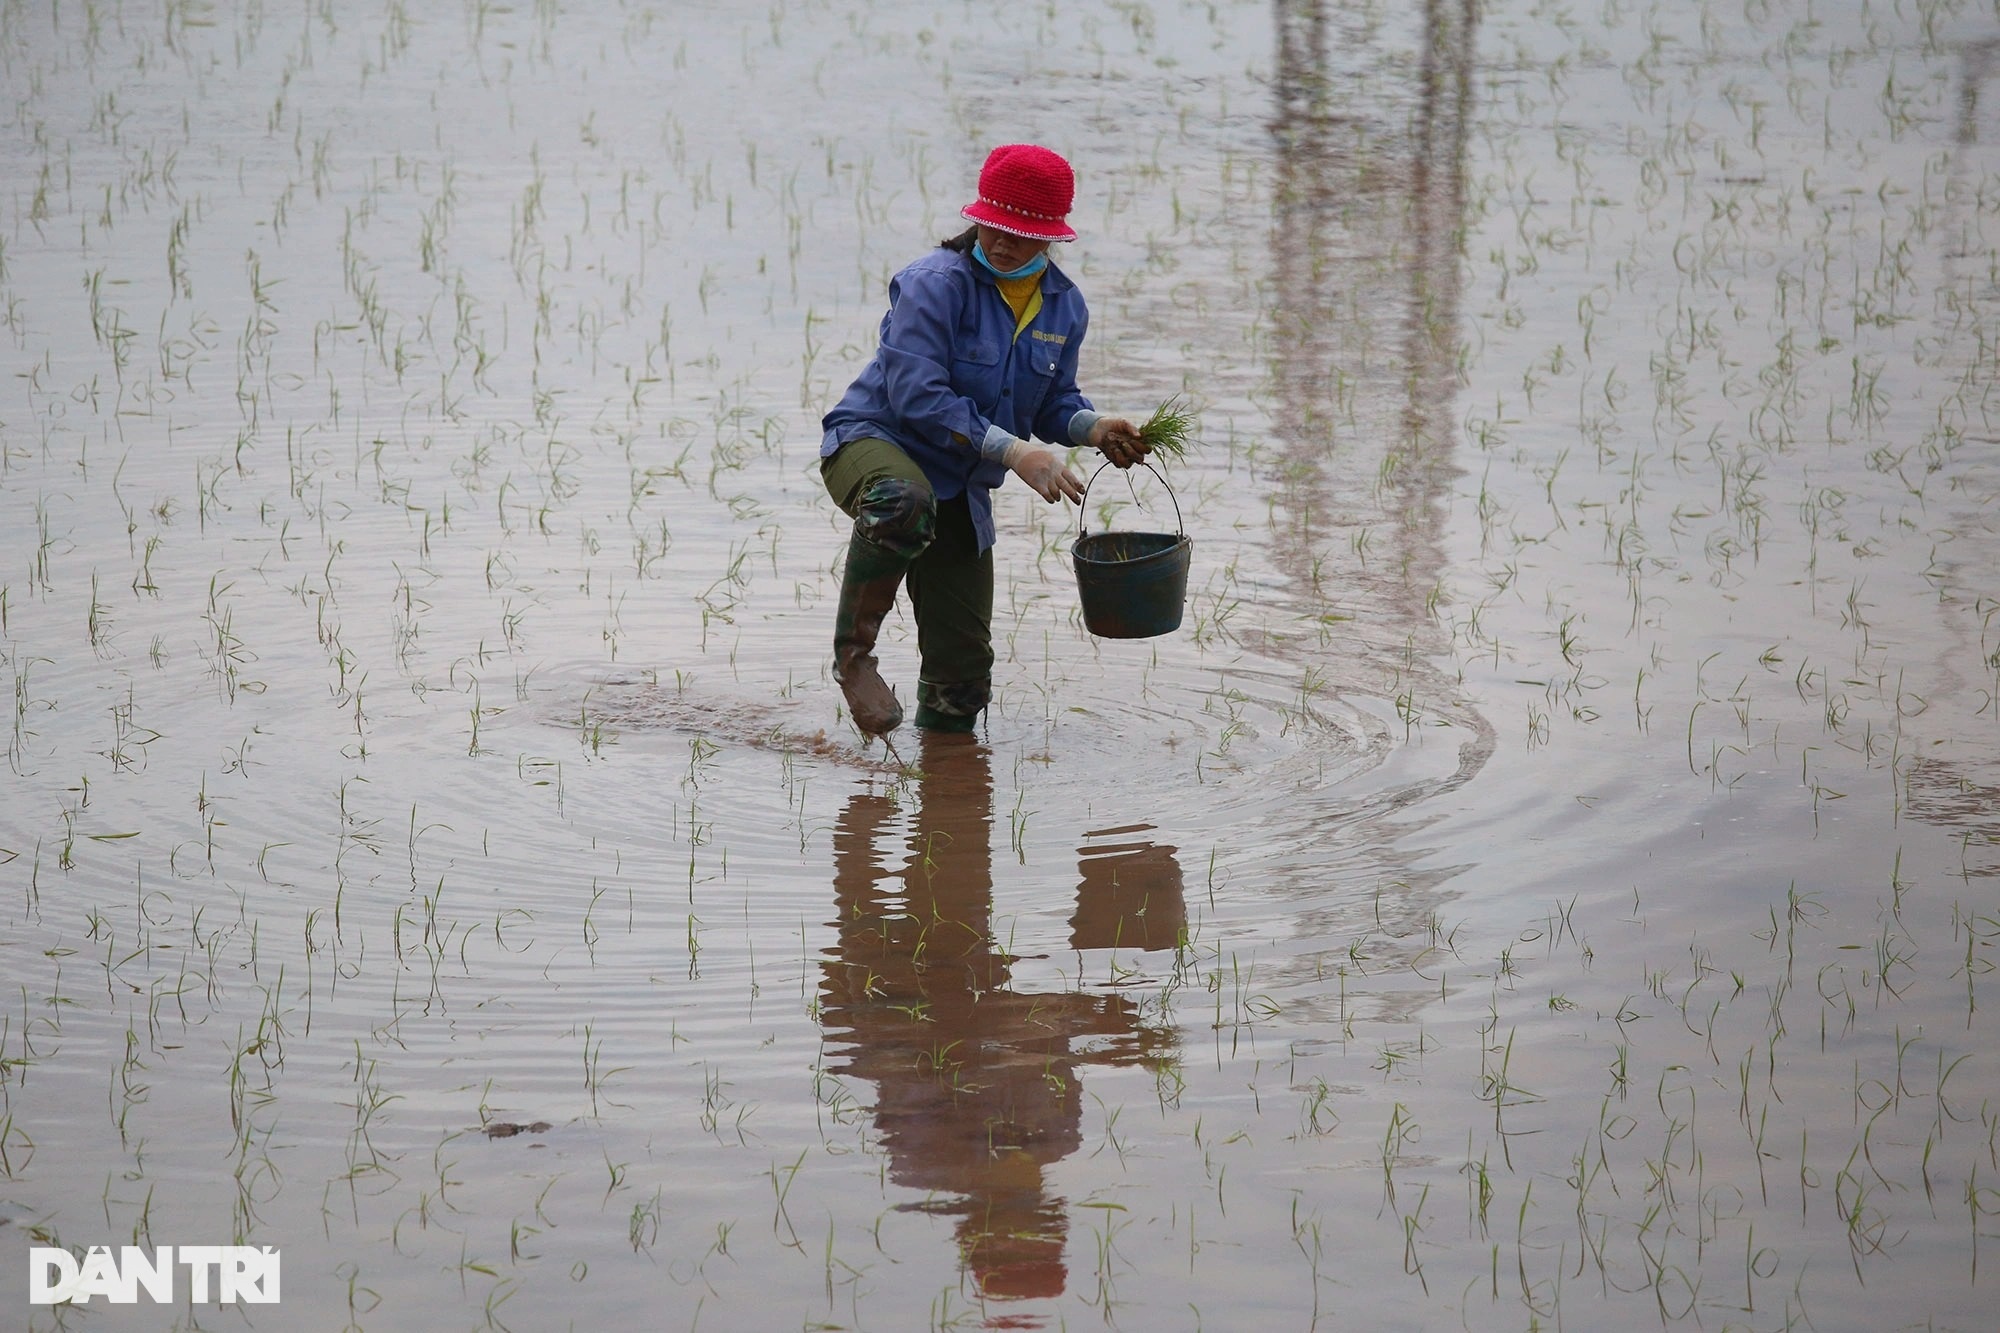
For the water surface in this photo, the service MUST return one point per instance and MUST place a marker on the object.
(1548, 880)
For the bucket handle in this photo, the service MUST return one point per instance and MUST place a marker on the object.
(1082, 505)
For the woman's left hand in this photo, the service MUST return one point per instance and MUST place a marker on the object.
(1046, 474)
(1118, 440)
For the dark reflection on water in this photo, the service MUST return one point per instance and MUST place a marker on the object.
(1367, 229)
(1976, 65)
(1946, 793)
(977, 1086)
(1437, 221)
(1129, 895)
(1366, 241)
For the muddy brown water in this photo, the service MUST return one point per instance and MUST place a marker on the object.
(1547, 881)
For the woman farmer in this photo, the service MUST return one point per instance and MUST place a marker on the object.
(978, 354)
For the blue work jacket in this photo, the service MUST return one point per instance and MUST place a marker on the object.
(950, 366)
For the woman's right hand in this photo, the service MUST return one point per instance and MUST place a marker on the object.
(1046, 474)
(1119, 441)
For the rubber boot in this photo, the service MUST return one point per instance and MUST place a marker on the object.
(951, 708)
(867, 593)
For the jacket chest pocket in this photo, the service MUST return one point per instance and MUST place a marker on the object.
(1037, 371)
(976, 368)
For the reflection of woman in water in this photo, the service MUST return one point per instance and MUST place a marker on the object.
(976, 1084)
(978, 353)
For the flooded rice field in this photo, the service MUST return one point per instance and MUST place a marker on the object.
(1548, 881)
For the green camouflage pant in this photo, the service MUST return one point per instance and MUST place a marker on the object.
(898, 522)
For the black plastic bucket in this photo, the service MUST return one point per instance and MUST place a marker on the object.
(1133, 584)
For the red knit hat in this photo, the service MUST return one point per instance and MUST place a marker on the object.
(1027, 190)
